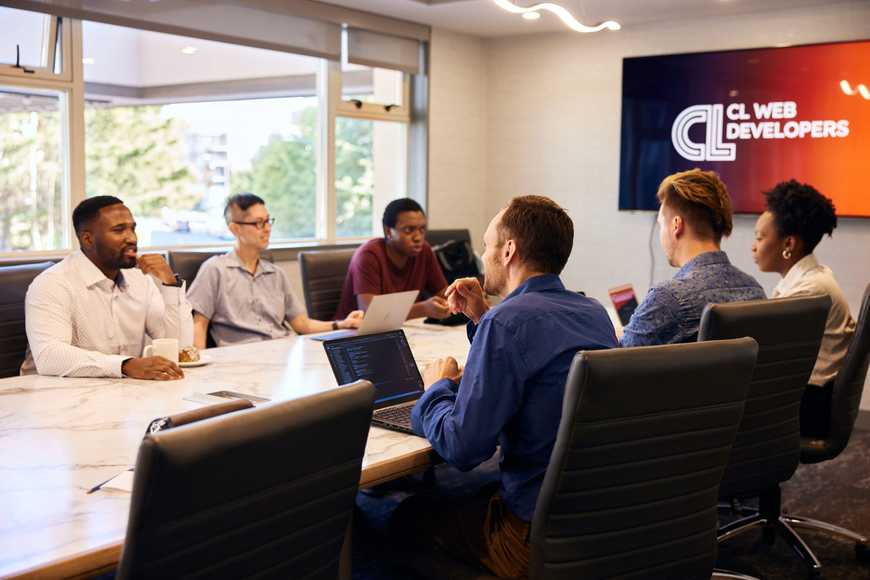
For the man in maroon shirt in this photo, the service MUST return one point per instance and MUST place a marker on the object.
(400, 261)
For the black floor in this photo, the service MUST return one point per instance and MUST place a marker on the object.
(837, 492)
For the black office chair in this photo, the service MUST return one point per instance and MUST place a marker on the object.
(187, 263)
(199, 414)
(788, 332)
(247, 494)
(438, 237)
(631, 490)
(845, 402)
(14, 281)
(323, 274)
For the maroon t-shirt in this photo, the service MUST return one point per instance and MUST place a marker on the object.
(372, 272)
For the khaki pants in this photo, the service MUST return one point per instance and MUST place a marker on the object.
(479, 530)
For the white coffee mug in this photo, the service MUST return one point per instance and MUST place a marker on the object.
(165, 347)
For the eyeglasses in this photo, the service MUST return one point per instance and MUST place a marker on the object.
(260, 224)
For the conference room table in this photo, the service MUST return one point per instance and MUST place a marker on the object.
(60, 437)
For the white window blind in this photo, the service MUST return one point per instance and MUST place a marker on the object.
(257, 23)
(383, 51)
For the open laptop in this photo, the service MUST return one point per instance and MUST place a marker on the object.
(385, 359)
(386, 312)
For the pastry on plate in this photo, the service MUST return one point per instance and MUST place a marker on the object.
(188, 354)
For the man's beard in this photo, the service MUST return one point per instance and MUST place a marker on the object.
(122, 262)
(491, 285)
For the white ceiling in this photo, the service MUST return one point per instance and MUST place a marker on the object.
(484, 18)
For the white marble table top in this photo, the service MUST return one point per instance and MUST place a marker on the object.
(60, 437)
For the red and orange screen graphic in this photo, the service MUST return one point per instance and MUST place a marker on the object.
(757, 117)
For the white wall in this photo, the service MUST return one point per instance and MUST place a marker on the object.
(552, 126)
(457, 133)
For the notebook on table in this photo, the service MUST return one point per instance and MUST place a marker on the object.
(386, 312)
(386, 360)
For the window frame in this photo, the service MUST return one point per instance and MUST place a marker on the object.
(53, 24)
(366, 111)
(378, 111)
(70, 82)
(71, 87)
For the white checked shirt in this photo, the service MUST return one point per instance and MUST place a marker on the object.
(81, 324)
(807, 277)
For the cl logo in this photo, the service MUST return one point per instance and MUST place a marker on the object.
(713, 149)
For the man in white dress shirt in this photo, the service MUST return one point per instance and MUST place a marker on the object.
(90, 314)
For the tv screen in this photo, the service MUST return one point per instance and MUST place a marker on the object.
(757, 117)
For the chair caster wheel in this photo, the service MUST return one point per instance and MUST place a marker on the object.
(862, 553)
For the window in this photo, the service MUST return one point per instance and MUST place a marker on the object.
(174, 125)
(30, 44)
(190, 122)
(369, 172)
(372, 85)
(33, 214)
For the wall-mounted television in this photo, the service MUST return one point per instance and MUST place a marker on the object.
(756, 117)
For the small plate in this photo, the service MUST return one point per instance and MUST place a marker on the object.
(204, 359)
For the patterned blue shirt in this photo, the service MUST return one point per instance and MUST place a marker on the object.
(512, 388)
(671, 311)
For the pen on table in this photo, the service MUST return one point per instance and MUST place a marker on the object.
(101, 484)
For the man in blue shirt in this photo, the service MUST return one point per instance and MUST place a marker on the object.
(510, 394)
(695, 214)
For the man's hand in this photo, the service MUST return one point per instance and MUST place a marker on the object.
(353, 320)
(155, 265)
(436, 307)
(466, 295)
(155, 368)
(443, 368)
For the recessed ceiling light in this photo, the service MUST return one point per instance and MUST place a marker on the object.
(189, 50)
(87, 60)
(531, 15)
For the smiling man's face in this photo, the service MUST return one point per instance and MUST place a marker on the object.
(111, 237)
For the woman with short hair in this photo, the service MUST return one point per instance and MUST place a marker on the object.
(796, 219)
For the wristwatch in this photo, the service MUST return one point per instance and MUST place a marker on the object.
(334, 325)
(177, 283)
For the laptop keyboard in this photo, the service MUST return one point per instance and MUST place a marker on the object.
(399, 416)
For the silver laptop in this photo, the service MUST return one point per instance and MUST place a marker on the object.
(386, 360)
(386, 312)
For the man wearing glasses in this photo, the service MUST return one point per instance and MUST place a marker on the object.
(398, 262)
(244, 298)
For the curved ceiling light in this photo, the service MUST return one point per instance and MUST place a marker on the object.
(559, 11)
(859, 89)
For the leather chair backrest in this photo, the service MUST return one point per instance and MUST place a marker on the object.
(788, 332)
(849, 384)
(631, 490)
(14, 281)
(323, 274)
(187, 263)
(247, 494)
(438, 237)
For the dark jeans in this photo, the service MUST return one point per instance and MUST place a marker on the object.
(816, 411)
(478, 529)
